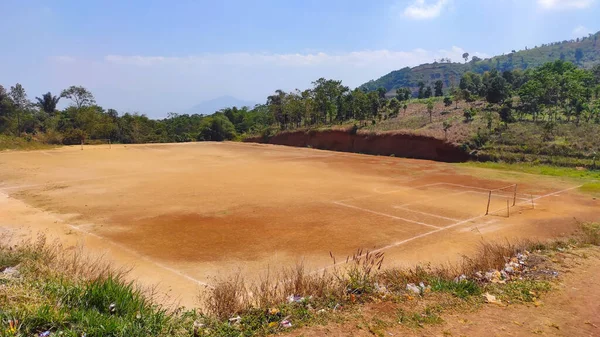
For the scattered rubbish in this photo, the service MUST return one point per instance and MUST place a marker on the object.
(273, 324)
(274, 311)
(413, 288)
(322, 311)
(45, 333)
(295, 299)
(489, 298)
(13, 326)
(460, 278)
(286, 324)
(112, 308)
(138, 315)
(235, 320)
(337, 307)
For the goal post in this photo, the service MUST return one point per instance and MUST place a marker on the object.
(98, 142)
(501, 200)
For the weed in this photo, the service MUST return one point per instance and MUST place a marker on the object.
(418, 319)
(590, 234)
(461, 289)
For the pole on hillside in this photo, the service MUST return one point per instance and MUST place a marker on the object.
(487, 211)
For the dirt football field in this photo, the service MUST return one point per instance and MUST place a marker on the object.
(184, 214)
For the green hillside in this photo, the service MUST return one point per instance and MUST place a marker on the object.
(584, 52)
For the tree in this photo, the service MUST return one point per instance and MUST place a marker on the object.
(80, 96)
(466, 57)
(48, 103)
(275, 104)
(447, 101)
(395, 106)
(496, 87)
(439, 85)
(446, 125)
(403, 94)
(578, 55)
(404, 108)
(20, 102)
(475, 59)
(469, 114)
(421, 93)
(430, 110)
(428, 93)
(216, 128)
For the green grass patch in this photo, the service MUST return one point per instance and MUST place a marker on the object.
(21, 143)
(593, 188)
(428, 316)
(462, 289)
(520, 291)
(546, 170)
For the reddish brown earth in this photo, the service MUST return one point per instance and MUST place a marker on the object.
(386, 144)
(183, 214)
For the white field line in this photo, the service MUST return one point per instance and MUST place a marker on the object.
(404, 188)
(425, 213)
(403, 242)
(385, 215)
(145, 258)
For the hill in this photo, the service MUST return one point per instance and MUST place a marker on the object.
(582, 51)
(213, 105)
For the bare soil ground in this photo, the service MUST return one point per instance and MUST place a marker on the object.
(571, 309)
(186, 213)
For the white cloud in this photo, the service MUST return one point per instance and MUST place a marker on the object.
(565, 4)
(159, 84)
(366, 58)
(580, 31)
(422, 10)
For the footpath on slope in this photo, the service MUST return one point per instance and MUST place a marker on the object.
(571, 308)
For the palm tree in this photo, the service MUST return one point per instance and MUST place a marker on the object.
(48, 103)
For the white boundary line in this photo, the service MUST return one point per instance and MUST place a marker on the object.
(425, 213)
(143, 257)
(400, 243)
(386, 215)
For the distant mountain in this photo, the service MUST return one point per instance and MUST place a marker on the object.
(214, 105)
(582, 51)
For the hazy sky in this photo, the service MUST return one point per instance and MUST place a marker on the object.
(160, 56)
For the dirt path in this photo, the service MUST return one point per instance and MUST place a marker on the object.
(572, 308)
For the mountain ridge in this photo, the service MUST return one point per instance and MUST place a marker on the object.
(583, 51)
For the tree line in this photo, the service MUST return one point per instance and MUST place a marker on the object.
(556, 91)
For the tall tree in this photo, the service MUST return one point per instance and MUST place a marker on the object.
(421, 90)
(48, 103)
(20, 102)
(466, 57)
(428, 92)
(80, 96)
(439, 86)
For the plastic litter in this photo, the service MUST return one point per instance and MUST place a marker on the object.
(489, 298)
(413, 288)
(112, 308)
(296, 299)
(235, 320)
(44, 334)
(286, 323)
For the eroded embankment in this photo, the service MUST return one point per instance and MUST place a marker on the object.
(386, 144)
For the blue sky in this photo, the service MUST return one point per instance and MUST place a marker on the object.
(159, 56)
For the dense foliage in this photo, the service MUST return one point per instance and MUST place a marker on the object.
(584, 52)
(552, 93)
